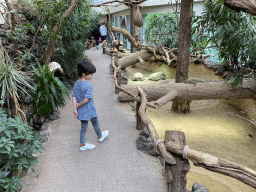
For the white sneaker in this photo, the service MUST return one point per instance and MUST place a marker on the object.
(87, 147)
(104, 135)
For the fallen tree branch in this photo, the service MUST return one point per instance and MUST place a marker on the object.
(151, 129)
(191, 91)
(242, 118)
(237, 171)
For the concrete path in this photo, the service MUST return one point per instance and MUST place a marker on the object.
(113, 166)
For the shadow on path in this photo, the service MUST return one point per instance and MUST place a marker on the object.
(113, 166)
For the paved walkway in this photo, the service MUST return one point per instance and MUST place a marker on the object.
(113, 166)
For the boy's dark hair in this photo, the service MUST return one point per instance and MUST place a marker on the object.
(86, 67)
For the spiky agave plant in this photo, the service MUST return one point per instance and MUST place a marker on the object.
(13, 81)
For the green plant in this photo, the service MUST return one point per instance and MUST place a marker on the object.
(75, 32)
(12, 79)
(12, 82)
(49, 92)
(162, 26)
(233, 33)
(18, 145)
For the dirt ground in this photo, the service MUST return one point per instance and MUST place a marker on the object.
(210, 129)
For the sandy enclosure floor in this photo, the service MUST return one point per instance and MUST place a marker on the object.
(210, 129)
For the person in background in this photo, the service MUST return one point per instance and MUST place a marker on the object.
(96, 35)
(103, 32)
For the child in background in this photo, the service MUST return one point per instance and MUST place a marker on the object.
(83, 105)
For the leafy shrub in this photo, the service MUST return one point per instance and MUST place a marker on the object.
(49, 92)
(18, 145)
(233, 32)
(164, 27)
(12, 79)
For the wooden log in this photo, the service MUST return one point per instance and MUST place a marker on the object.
(151, 129)
(139, 123)
(248, 6)
(133, 58)
(188, 91)
(176, 173)
(237, 171)
(118, 77)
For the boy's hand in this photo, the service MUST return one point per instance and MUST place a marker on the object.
(75, 114)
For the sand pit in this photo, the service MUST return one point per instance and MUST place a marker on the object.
(210, 129)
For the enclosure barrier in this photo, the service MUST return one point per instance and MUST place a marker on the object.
(174, 149)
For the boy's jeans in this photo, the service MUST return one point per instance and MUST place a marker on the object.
(84, 125)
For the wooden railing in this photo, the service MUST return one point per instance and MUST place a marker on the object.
(174, 149)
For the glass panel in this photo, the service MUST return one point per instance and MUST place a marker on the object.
(128, 29)
(120, 21)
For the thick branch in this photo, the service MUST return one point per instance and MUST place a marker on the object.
(212, 163)
(188, 91)
(126, 34)
(133, 58)
(248, 6)
(151, 129)
(105, 3)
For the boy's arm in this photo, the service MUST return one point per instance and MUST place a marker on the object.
(82, 103)
(74, 104)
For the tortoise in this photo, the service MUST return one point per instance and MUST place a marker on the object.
(138, 76)
(157, 76)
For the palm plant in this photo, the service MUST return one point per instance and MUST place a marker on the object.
(13, 81)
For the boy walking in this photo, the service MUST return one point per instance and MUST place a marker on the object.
(83, 105)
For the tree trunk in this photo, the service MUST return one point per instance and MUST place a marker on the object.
(51, 43)
(176, 173)
(165, 91)
(248, 6)
(183, 52)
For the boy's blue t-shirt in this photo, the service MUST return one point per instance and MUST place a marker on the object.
(82, 90)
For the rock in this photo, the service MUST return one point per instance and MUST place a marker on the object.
(197, 187)
(124, 78)
(54, 66)
(145, 143)
(44, 127)
(157, 76)
(138, 77)
(44, 136)
(55, 115)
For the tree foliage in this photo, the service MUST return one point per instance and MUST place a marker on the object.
(72, 36)
(233, 33)
(163, 27)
